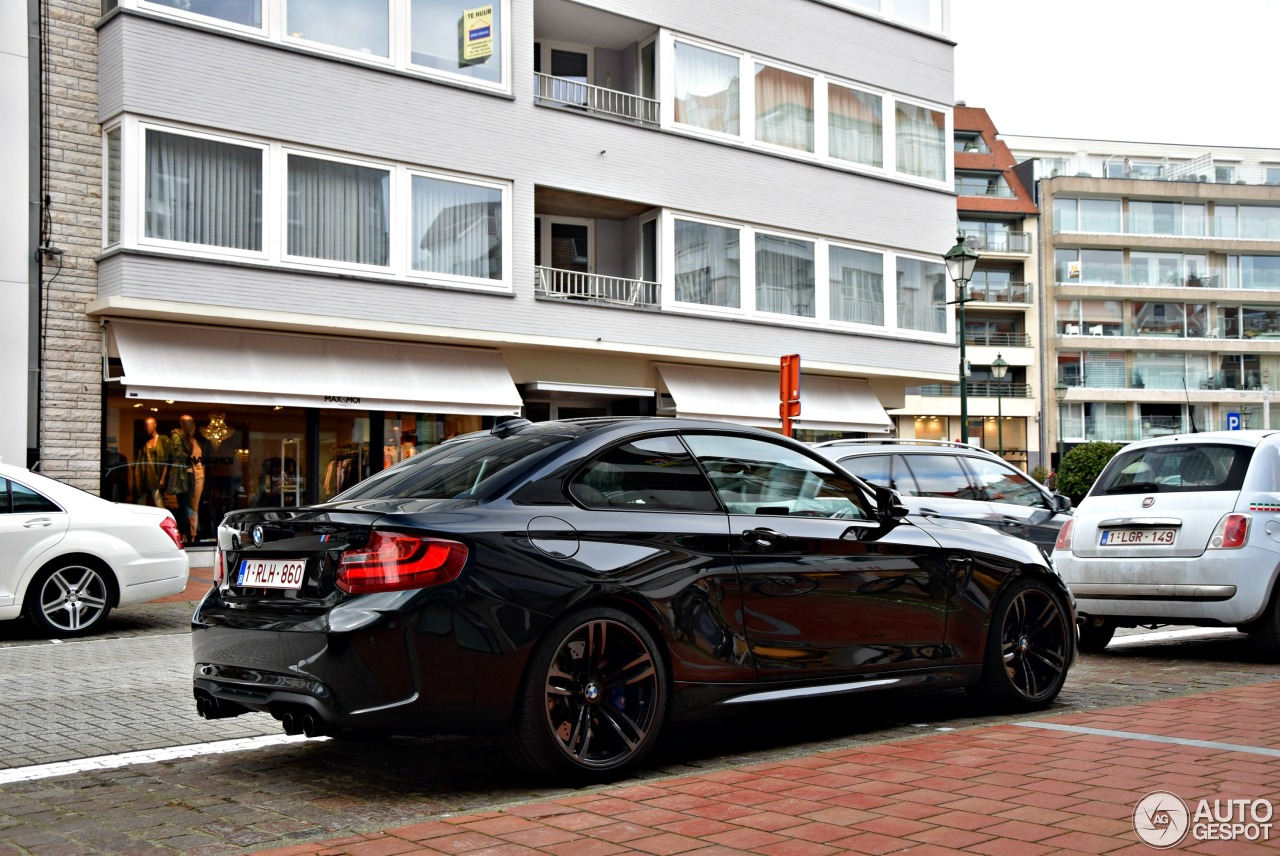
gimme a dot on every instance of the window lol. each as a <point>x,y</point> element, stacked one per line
<point>359,26</point>
<point>203,191</point>
<point>1261,272</point>
<point>706,89</point>
<point>650,474</point>
<point>857,286</point>
<point>1000,483</point>
<point>1171,468</point>
<point>1101,267</point>
<point>784,108</point>
<point>784,275</point>
<point>982,184</point>
<point>436,38</point>
<point>338,211</point>
<point>1100,215</point>
<point>457,228</point>
<point>1257,221</point>
<point>1271,175</point>
<point>1155,268</point>
<point>755,476</point>
<point>1066,214</point>
<point>19,499</point>
<point>873,469</point>
<point>113,187</point>
<point>1225,221</point>
<point>855,126</point>
<point>922,141</point>
<point>971,142</point>
<point>247,13</point>
<point>1095,421</point>
<point>939,476</point>
<point>922,295</point>
<point>1224,174</point>
<point>1155,218</point>
<point>707,262</point>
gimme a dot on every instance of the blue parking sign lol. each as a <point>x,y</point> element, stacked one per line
<point>1233,421</point>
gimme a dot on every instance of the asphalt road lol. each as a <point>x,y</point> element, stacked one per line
<point>128,690</point>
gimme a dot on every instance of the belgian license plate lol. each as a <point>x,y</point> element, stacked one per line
<point>271,573</point>
<point>1125,537</point>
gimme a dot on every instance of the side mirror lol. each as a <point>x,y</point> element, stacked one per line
<point>1061,503</point>
<point>889,505</point>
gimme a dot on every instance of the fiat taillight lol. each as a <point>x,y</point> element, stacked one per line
<point>1231,533</point>
<point>392,561</point>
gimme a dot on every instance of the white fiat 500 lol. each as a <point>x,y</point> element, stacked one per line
<point>1179,530</point>
<point>67,558</point>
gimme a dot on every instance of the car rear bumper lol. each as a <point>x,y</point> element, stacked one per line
<point>1228,587</point>
<point>149,576</point>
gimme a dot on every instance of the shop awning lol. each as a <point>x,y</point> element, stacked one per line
<point>226,366</point>
<point>751,398</point>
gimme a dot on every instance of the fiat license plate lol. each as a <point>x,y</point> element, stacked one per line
<point>1125,537</point>
<point>271,573</point>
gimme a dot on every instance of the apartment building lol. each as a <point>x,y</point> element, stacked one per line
<point>1162,271</point>
<point>335,233</point>
<point>996,217</point>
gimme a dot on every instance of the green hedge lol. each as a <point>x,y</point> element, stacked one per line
<point>1080,468</point>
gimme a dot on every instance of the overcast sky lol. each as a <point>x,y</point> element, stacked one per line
<point>1161,71</point>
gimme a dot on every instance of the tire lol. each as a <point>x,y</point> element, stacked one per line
<point>1265,632</point>
<point>1095,637</point>
<point>1028,648</point>
<point>593,698</point>
<point>69,599</point>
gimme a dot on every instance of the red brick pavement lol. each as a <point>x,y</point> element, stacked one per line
<point>996,790</point>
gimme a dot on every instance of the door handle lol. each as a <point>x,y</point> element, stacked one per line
<point>763,539</point>
<point>37,521</point>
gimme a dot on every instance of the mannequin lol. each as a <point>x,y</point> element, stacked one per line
<point>186,475</point>
<point>152,458</point>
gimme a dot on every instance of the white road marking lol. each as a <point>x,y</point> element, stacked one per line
<point>1170,635</point>
<point>146,756</point>
<point>1155,738</point>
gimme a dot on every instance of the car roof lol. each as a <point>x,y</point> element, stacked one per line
<point>1250,437</point>
<point>850,448</point>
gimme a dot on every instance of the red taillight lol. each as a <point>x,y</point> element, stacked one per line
<point>395,562</point>
<point>171,529</point>
<point>219,567</point>
<point>1064,537</point>
<point>1232,532</point>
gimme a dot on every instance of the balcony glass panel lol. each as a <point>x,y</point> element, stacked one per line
<point>359,26</point>
<point>1260,322</point>
<point>784,275</point>
<point>1261,222</point>
<point>857,286</point>
<point>784,108</point>
<point>1260,272</point>
<point>707,89</point>
<point>1100,215</point>
<point>1226,221</point>
<point>707,260</point>
<point>983,184</point>
<point>1066,214</point>
<point>855,125</point>
<point>434,39</point>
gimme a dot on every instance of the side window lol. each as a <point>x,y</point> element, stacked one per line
<point>4,497</point>
<point>940,476</point>
<point>651,474</point>
<point>27,501</point>
<point>1005,484</point>
<point>869,468</point>
<point>755,476</point>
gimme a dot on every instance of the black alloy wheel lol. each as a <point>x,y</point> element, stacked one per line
<point>1028,647</point>
<point>593,698</point>
<point>69,599</point>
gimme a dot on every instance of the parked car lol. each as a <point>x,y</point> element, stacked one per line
<point>575,585</point>
<point>949,480</point>
<point>67,557</point>
<point>1182,529</point>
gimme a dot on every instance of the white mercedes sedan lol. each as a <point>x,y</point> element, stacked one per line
<point>67,557</point>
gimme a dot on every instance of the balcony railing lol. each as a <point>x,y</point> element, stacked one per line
<point>999,292</point>
<point>999,340</point>
<point>975,389</point>
<point>595,99</point>
<point>1142,276</point>
<point>1199,170</point>
<point>999,242</point>
<point>559,284</point>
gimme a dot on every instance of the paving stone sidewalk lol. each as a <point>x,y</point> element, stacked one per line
<point>1005,789</point>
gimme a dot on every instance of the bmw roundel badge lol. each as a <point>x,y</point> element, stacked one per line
<point>257,536</point>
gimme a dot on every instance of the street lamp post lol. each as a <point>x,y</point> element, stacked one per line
<point>961,260</point>
<point>999,368</point>
<point>1060,393</point>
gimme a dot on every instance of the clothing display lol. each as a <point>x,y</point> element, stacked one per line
<point>153,464</point>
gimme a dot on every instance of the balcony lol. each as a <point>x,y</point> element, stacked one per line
<point>999,292</point>
<point>975,389</point>
<point>595,100</point>
<point>556,284</point>
<point>997,242</point>
<point>998,340</point>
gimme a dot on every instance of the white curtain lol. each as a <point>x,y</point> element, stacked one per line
<point>856,126</point>
<point>706,89</point>
<point>784,108</point>
<point>338,211</point>
<point>707,264</point>
<point>922,296</point>
<point>922,148</point>
<point>203,192</point>
<point>857,286</point>
<point>457,228</point>
<point>784,275</point>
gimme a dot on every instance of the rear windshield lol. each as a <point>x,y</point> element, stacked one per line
<point>1175,468</point>
<point>454,469</point>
